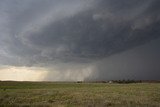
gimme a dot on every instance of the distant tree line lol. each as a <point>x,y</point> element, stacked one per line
<point>126,81</point>
<point>113,81</point>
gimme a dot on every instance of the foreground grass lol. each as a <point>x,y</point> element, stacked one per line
<point>48,94</point>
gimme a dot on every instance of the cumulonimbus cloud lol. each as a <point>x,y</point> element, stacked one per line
<point>43,33</point>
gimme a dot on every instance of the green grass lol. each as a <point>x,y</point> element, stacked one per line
<point>51,94</point>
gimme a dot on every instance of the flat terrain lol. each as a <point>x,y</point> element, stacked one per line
<point>52,94</point>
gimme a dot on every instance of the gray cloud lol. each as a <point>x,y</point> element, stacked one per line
<point>141,63</point>
<point>74,32</point>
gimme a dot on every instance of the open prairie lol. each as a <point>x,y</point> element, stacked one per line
<point>58,94</point>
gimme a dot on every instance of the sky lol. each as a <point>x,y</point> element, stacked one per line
<point>79,40</point>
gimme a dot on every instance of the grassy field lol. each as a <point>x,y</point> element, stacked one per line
<point>50,94</point>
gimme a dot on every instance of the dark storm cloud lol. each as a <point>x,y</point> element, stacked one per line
<point>36,33</point>
<point>99,31</point>
<point>141,63</point>
<point>23,19</point>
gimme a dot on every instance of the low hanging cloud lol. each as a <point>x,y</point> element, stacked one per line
<point>80,39</point>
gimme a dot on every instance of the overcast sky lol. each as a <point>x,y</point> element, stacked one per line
<point>70,40</point>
